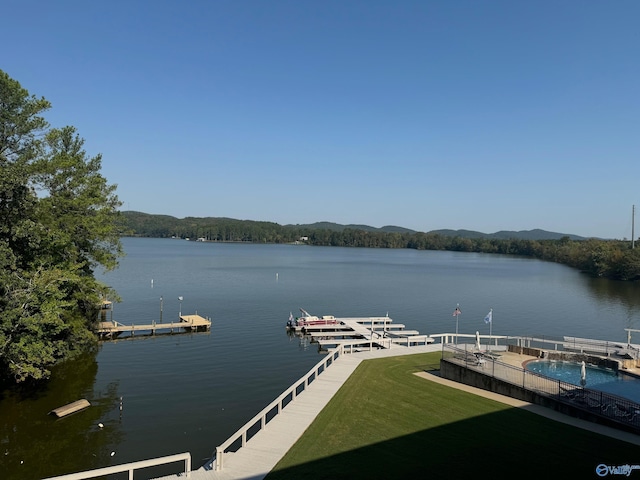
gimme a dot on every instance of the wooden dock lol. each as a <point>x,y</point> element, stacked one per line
<point>187,323</point>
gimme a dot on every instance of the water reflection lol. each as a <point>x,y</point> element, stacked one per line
<point>35,444</point>
<point>617,294</point>
<point>304,341</point>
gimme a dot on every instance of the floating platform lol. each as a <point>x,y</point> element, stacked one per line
<point>333,331</point>
<point>70,408</point>
<point>187,323</point>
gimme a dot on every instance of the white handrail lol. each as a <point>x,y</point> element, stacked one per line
<point>326,362</point>
<point>130,467</point>
<point>522,341</point>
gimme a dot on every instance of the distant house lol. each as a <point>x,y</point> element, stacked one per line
<point>304,239</point>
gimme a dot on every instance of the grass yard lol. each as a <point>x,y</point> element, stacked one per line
<point>385,422</point>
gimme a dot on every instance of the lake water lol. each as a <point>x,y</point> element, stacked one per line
<point>190,392</point>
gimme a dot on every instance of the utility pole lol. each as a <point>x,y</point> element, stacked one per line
<point>633,221</point>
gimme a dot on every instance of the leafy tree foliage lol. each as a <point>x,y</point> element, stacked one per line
<point>58,222</point>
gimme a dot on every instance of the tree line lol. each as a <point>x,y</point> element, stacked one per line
<point>613,259</point>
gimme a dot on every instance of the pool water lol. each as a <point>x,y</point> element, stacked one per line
<point>602,379</point>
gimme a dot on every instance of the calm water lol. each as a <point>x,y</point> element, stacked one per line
<point>191,392</point>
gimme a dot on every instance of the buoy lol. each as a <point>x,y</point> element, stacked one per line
<point>100,425</point>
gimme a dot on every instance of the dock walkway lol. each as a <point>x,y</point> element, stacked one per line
<point>265,449</point>
<point>111,329</point>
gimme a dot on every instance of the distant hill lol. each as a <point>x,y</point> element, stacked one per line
<point>165,225</point>
<point>336,227</point>
<point>536,234</point>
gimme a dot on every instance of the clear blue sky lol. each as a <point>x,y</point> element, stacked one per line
<point>480,115</point>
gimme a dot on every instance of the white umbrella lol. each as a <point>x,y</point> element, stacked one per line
<point>583,373</point>
<point>477,340</point>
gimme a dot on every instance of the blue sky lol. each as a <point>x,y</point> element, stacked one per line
<point>481,115</point>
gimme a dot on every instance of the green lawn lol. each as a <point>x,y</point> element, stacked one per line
<point>385,422</point>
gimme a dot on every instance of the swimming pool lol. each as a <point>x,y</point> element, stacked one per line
<point>602,379</point>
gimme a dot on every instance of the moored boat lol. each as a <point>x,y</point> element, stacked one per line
<point>307,320</point>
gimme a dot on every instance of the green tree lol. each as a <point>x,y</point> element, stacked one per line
<point>58,223</point>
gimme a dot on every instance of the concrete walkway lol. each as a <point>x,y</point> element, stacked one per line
<point>270,444</point>
<point>261,453</point>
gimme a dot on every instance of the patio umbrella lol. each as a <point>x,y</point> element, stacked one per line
<point>477,340</point>
<point>583,374</point>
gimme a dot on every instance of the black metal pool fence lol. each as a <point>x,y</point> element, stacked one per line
<point>621,410</point>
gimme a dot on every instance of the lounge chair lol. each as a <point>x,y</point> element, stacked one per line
<point>622,411</point>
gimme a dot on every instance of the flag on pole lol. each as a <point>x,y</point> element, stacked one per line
<point>456,312</point>
<point>489,316</point>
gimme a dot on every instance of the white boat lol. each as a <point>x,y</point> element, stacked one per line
<point>307,320</point>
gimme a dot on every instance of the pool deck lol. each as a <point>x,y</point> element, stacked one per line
<point>260,455</point>
<point>519,360</point>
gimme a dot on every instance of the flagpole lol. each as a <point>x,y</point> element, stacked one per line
<point>457,315</point>
<point>490,327</point>
<point>489,319</point>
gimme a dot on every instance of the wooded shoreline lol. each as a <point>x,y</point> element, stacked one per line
<point>613,259</point>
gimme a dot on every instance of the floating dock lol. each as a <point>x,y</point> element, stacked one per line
<point>188,323</point>
<point>329,331</point>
